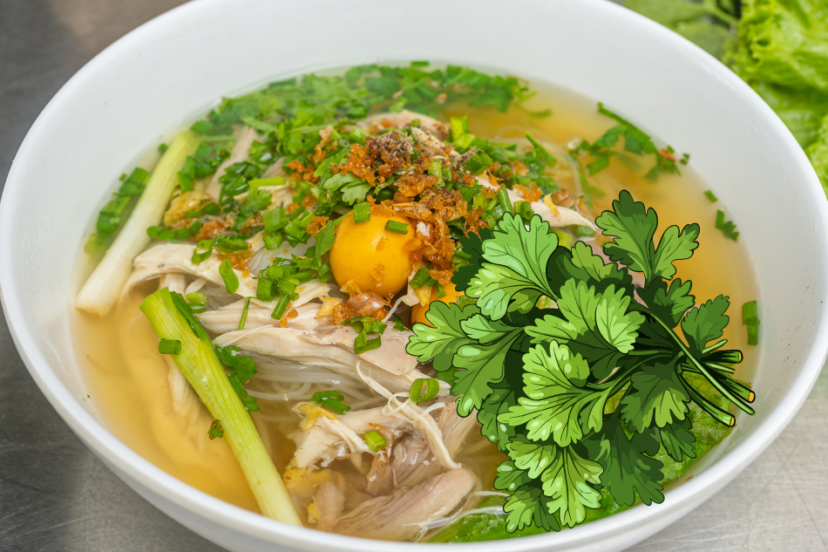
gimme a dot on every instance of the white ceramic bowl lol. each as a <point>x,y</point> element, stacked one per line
<point>178,64</point>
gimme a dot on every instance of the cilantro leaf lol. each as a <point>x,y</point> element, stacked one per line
<point>510,477</point>
<point>496,404</point>
<point>627,469</point>
<point>705,323</point>
<point>471,245</point>
<point>558,404</point>
<point>238,365</point>
<point>566,481</point>
<point>656,397</point>
<point>633,226</point>
<point>596,325</point>
<point>599,273</point>
<point>527,506</point>
<point>515,275</point>
<point>441,341</point>
<point>480,365</point>
<point>565,475</point>
<point>668,304</point>
<point>678,440</point>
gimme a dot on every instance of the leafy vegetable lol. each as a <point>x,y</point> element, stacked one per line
<point>598,385</point>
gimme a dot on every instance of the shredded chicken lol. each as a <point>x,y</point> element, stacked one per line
<point>400,516</point>
<point>332,347</point>
<point>431,145</point>
<point>168,258</point>
<point>226,319</point>
<point>404,118</point>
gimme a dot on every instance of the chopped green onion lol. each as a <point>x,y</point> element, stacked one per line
<point>749,311</point>
<point>281,307</point>
<point>203,251</point>
<point>362,213</point>
<point>215,431</point>
<point>273,241</point>
<point>720,219</point>
<point>398,324</point>
<point>435,168</point>
<point>375,441</point>
<point>264,289</point>
<point>304,275</point>
<point>212,209</point>
<point>275,219</point>
<point>524,210</point>
<point>711,196</point>
<point>169,347</point>
<point>397,227</point>
<point>243,318</point>
<point>424,389</point>
<point>228,245</point>
<point>198,302</point>
<point>259,182</point>
<point>362,344</point>
<point>162,147</point>
<point>441,291</point>
<point>503,199</point>
<point>337,406</point>
<point>297,213</point>
<point>753,332</point>
<point>321,396</point>
<point>231,281</point>
<point>420,279</point>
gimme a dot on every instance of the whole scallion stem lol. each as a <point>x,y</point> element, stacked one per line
<point>101,290</point>
<point>200,365</point>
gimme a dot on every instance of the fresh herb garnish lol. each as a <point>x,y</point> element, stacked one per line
<point>727,227</point>
<point>331,400</point>
<point>365,325</point>
<point>559,417</point>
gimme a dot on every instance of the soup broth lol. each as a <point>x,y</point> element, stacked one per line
<point>128,380</point>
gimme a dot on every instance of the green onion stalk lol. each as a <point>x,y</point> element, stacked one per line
<point>101,290</point>
<point>170,317</point>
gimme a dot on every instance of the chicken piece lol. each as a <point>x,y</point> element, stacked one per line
<point>404,118</point>
<point>327,437</point>
<point>431,145</point>
<point>244,139</point>
<point>176,257</point>
<point>401,515</point>
<point>328,505</point>
<point>184,399</point>
<point>226,319</point>
<point>332,347</point>
<point>410,460</point>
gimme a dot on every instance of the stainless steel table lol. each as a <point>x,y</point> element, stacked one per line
<point>55,495</point>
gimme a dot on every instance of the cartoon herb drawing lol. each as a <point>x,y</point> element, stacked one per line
<point>581,396</point>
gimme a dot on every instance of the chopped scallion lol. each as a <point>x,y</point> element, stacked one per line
<point>169,347</point>
<point>203,251</point>
<point>231,281</point>
<point>749,311</point>
<point>273,241</point>
<point>375,441</point>
<point>281,307</point>
<point>753,332</point>
<point>420,279</point>
<point>720,218</point>
<point>362,213</point>
<point>243,318</point>
<point>398,324</point>
<point>227,244</point>
<point>711,196</point>
<point>321,396</point>
<point>264,289</point>
<point>397,227</point>
<point>275,219</point>
<point>424,389</point>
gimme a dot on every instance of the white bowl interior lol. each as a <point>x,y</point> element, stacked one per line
<point>157,77</point>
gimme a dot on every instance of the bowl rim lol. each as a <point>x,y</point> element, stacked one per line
<point>118,455</point>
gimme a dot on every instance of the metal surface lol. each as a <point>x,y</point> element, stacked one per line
<point>56,495</point>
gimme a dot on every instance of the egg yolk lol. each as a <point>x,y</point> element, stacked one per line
<point>418,311</point>
<point>367,257</point>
